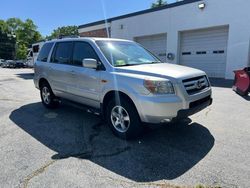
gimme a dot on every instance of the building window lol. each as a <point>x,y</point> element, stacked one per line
<point>201,52</point>
<point>186,53</point>
<point>219,52</point>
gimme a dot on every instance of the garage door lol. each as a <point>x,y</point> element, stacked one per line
<point>205,50</point>
<point>157,44</point>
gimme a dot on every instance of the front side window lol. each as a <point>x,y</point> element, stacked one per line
<point>122,53</point>
<point>62,53</point>
<point>83,50</point>
<point>44,53</point>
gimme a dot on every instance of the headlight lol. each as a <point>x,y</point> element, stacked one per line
<point>159,87</point>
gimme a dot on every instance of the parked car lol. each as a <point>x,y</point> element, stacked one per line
<point>13,64</point>
<point>8,64</point>
<point>19,64</point>
<point>1,62</point>
<point>120,80</point>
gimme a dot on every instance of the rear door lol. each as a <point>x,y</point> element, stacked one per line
<point>60,70</point>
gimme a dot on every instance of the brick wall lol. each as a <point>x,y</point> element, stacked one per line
<point>95,33</point>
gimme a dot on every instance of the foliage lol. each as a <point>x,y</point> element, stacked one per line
<point>158,3</point>
<point>7,44</point>
<point>21,51</point>
<point>3,26</point>
<point>64,31</point>
<point>25,33</point>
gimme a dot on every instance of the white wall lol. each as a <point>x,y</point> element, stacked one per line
<point>94,27</point>
<point>235,14</point>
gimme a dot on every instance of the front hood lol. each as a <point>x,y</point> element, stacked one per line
<point>165,70</point>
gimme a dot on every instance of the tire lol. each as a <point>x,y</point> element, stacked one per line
<point>48,98</point>
<point>125,116</point>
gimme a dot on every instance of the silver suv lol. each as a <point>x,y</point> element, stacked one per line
<point>121,80</point>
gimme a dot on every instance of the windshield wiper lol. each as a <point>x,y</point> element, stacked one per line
<point>152,62</point>
<point>126,65</point>
<point>145,63</point>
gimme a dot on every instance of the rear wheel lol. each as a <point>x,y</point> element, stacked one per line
<point>123,119</point>
<point>49,100</point>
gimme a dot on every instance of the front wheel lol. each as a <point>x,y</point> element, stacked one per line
<point>123,119</point>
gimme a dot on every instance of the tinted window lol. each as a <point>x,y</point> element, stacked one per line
<point>44,53</point>
<point>83,50</point>
<point>62,53</point>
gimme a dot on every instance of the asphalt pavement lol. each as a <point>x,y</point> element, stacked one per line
<point>68,147</point>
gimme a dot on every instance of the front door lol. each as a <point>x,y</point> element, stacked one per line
<point>87,81</point>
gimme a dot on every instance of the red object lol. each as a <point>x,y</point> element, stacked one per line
<point>242,81</point>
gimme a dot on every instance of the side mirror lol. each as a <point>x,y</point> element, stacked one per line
<point>90,63</point>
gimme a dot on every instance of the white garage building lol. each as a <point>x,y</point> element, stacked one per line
<point>212,35</point>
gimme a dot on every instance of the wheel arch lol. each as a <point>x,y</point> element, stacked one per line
<point>41,81</point>
<point>115,94</point>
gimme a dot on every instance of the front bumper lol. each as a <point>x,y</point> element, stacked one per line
<point>36,81</point>
<point>164,109</point>
<point>195,107</point>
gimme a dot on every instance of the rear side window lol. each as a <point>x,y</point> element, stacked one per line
<point>44,53</point>
<point>83,50</point>
<point>62,53</point>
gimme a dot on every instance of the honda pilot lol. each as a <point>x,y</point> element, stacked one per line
<point>121,80</point>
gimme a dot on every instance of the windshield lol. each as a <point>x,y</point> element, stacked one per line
<point>122,53</point>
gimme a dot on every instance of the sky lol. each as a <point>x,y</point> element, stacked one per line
<point>50,14</point>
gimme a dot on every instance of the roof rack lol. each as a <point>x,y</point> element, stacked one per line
<point>68,36</point>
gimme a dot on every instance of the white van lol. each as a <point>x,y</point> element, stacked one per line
<point>33,52</point>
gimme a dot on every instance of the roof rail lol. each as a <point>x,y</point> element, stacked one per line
<point>68,36</point>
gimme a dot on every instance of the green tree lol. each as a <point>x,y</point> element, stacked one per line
<point>27,33</point>
<point>158,3</point>
<point>3,26</point>
<point>7,44</point>
<point>21,51</point>
<point>24,32</point>
<point>13,24</point>
<point>64,31</point>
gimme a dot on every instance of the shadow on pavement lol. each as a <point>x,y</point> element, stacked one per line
<point>26,76</point>
<point>247,98</point>
<point>163,153</point>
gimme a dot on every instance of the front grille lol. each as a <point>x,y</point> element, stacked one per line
<point>196,84</point>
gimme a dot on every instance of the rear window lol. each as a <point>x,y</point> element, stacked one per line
<point>44,53</point>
